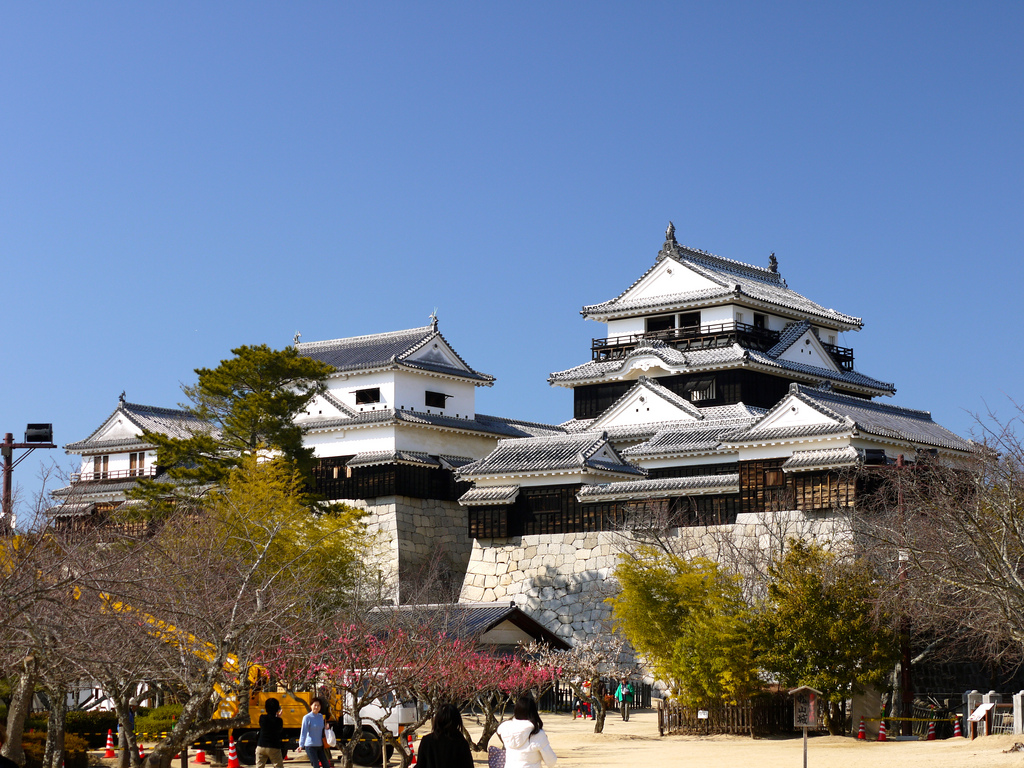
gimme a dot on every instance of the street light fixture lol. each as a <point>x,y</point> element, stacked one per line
<point>36,436</point>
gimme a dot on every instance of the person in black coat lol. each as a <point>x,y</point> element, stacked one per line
<point>268,742</point>
<point>445,746</point>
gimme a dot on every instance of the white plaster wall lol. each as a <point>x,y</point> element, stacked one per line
<point>688,461</point>
<point>451,443</point>
<point>351,441</point>
<point>344,387</point>
<point>410,389</point>
<point>716,315</point>
<point>787,450</point>
<point>626,326</point>
<point>118,462</point>
<point>667,278</point>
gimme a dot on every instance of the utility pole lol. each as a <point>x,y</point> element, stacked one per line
<point>36,436</point>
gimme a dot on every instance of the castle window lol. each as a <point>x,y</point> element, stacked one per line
<point>136,463</point>
<point>760,321</point>
<point>660,323</point>
<point>701,389</point>
<point>774,478</point>
<point>435,399</point>
<point>100,467</point>
<point>689,320</point>
<point>366,396</point>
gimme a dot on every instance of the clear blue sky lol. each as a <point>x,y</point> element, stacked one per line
<point>179,179</point>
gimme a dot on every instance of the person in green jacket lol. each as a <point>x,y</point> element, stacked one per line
<point>624,695</point>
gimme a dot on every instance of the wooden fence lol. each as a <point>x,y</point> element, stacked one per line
<point>756,717</point>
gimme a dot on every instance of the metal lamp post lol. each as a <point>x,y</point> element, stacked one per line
<point>36,436</point>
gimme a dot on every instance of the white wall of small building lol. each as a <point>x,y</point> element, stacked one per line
<point>626,326</point>
<point>410,394</point>
<point>347,442</point>
<point>345,387</point>
<point>117,462</point>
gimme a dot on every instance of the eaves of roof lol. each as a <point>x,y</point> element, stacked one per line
<point>699,361</point>
<point>667,486</point>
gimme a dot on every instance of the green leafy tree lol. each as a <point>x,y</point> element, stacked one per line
<point>689,619</point>
<point>245,405</point>
<point>819,627</point>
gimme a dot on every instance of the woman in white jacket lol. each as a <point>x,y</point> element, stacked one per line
<point>526,744</point>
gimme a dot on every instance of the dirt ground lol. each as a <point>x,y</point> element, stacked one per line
<point>636,743</point>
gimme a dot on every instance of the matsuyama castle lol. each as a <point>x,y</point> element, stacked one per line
<point>714,398</point>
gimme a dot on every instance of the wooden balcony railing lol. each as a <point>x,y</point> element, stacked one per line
<point>115,474</point>
<point>707,337</point>
<point>694,337</point>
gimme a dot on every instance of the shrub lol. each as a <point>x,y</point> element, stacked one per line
<point>76,750</point>
<point>158,720</point>
<point>92,726</point>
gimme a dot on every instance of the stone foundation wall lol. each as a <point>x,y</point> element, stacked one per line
<point>414,531</point>
<point>562,580</point>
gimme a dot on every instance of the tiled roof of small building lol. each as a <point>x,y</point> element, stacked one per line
<point>172,422</point>
<point>381,350</point>
<point>709,359</point>
<point>473,620</point>
<point>865,417</point>
<point>826,458</point>
<point>488,495</point>
<point>559,453</point>
<point>662,486</point>
<point>734,277</point>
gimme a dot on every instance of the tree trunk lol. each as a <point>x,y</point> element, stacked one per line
<point>21,702</point>
<point>597,703</point>
<point>53,754</point>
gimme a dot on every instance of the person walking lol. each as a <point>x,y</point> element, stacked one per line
<point>526,744</point>
<point>311,735</point>
<point>624,695</point>
<point>445,746</point>
<point>268,740</point>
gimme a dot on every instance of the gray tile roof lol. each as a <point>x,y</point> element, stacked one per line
<point>488,495</point>
<point>790,335</point>
<point>491,425</point>
<point>172,422</point>
<point>689,438</point>
<point>560,453</point>
<point>709,360</point>
<point>826,458</point>
<point>386,350</point>
<point>734,278</point>
<point>472,620</point>
<point>665,486</point>
<point>415,458</point>
<point>862,417</point>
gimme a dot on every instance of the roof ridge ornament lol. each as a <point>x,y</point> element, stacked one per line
<point>433,320</point>
<point>671,246</point>
<point>773,263</point>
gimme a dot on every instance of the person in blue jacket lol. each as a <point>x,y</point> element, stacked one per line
<point>311,736</point>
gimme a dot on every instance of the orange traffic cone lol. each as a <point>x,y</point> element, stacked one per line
<point>860,731</point>
<point>881,730</point>
<point>142,753</point>
<point>931,731</point>
<point>232,755</point>
<point>412,751</point>
<point>200,756</point>
<point>957,733</point>
<point>110,745</point>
